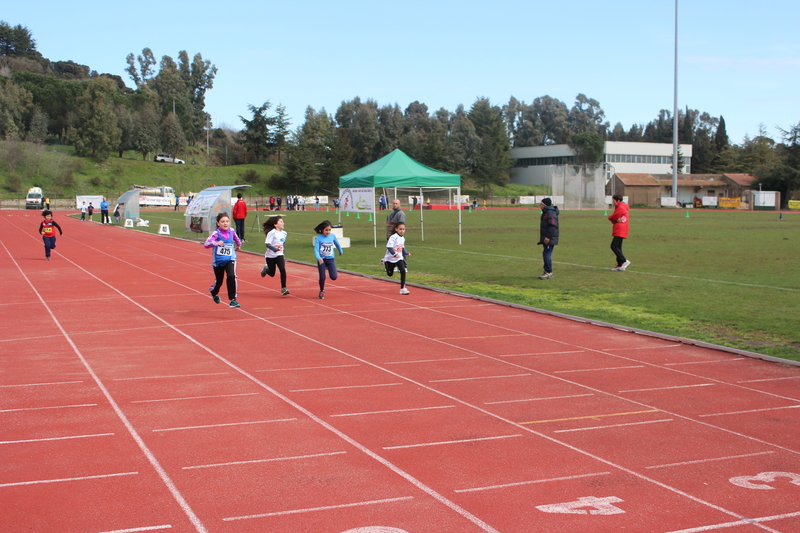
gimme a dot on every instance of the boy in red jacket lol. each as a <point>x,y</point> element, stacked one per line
<point>619,220</point>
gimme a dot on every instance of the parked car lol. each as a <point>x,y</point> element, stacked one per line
<point>167,158</point>
<point>34,199</point>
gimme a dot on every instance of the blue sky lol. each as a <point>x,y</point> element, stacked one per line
<point>737,59</point>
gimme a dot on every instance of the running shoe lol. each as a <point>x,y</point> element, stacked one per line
<point>546,275</point>
<point>615,269</point>
<point>321,295</point>
<point>625,265</point>
<point>284,291</point>
<point>234,303</point>
<point>265,270</point>
<point>215,297</point>
<point>404,291</point>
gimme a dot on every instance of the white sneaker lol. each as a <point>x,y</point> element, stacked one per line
<point>546,275</point>
<point>625,265</point>
<point>615,269</point>
<point>404,291</point>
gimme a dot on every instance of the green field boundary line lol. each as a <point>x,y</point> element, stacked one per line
<point>627,271</point>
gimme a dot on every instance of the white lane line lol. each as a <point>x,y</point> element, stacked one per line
<point>56,438</point>
<point>743,522</point>
<point>518,483</point>
<point>768,379</point>
<point>669,388</point>
<point>227,425</point>
<point>626,349</point>
<point>750,411</point>
<point>324,508</point>
<point>596,369</point>
<point>541,353</point>
<point>442,443</point>
<point>711,361</point>
<point>135,529</point>
<point>349,387</point>
<point>478,377</point>
<point>613,425</point>
<point>40,481</point>
<point>51,407</point>
<point>394,411</point>
<point>196,397</point>
<point>172,377</point>
<point>430,360</point>
<point>304,368</point>
<point>273,459</point>
<point>39,384</point>
<point>538,399</point>
<point>709,460</point>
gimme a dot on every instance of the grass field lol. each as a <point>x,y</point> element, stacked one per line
<point>729,278</point>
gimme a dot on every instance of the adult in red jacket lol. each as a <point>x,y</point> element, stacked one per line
<point>619,221</point>
<point>239,215</point>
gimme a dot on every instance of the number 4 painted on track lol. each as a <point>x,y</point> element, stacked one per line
<point>765,477</point>
<point>602,506</point>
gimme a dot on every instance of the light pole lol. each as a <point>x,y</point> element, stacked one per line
<point>675,117</point>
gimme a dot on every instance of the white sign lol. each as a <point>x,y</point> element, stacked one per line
<point>163,229</point>
<point>669,201</point>
<point>357,200</point>
<point>709,201</point>
<point>528,200</point>
<point>128,222</point>
<point>202,203</point>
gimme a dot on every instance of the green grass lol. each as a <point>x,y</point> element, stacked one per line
<point>729,278</point>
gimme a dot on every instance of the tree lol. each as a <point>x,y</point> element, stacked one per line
<point>96,133</point>
<point>339,160</point>
<point>282,122</point>
<point>173,140</point>
<point>258,137</point>
<point>493,161</point>
<point>589,148</point>
<point>146,131</point>
<point>145,72</point>
<point>587,116</point>
<point>37,132</point>
<point>15,106</point>
<point>554,118</point>
<point>17,41</point>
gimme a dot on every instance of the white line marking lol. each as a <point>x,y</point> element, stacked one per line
<point>537,399</point>
<point>171,377</point>
<point>40,384</point>
<point>540,353</point>
<point>744,521</point>
<point>613,425</point>
<point>324,508</point>
<point>449,442</point>
<point>135,529</point>
<point>710,460</point>
<point>750,411</point>
<point>228,424</point>
<point>264,460</point>
<point>518,483</point>
<point>53,407</point>
<point>596,369</point>
<point>349,387</point>
<point>56,438</point>
<point>394,411</point>
<point>478,377</point>
<point>196,397</point>
<point>429,360</point>
<point>304,368</point>
<point>40,481</point>
<point>768,379</point>
<point>729,360</point>
<point>669,388</point>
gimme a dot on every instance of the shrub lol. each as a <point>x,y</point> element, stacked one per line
<point>251,176</point>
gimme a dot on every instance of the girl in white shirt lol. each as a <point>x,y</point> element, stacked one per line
<point>276,239</point>
<point>396,254</point>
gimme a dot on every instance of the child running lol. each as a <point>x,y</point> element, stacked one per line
<point>47,229</point>
<point>225,242</point>
<point>323,251</point>
<point>276,238</point>
<point>396,254</point>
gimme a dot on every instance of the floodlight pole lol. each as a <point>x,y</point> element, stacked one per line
<point>675,117</point>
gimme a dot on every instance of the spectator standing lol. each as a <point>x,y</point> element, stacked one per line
<point>239,216</point>
<point>619,231</point>
<point>104,219</point>
<point>548,235</point>
<point>397,216</point>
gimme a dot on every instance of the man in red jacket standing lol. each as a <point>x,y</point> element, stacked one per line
<point>619,220</point>
<point>239,215</point>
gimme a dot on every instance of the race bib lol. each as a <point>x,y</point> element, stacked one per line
<point>48,231</point>
<point>226,250</point>
<point>326,249</point>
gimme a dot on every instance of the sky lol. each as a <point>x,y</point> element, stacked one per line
<point>736,59</point>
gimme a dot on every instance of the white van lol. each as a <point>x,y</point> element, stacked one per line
<point>34,199</point>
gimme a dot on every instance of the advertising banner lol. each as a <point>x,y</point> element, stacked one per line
<point>361,200</point>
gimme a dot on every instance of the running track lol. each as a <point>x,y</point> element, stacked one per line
<point>130,402</point>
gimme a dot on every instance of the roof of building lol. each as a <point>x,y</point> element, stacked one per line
<point>745,180</point>
<point>633,179</point>
<point>692,180</point>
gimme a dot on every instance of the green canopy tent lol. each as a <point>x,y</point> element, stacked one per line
<point>397,170</point>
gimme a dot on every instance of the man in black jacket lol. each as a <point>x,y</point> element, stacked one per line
<point>548,235</point>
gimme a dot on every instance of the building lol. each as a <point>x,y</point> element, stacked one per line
<point>693,189</point>
<point>532,162</point>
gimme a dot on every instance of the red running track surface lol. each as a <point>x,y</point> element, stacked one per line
<point>129,401</point>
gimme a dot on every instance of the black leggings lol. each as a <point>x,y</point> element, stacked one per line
<point>399,265</point>
<point>229,270</point>
<point>273,262</point>
<point>330,265</point>
<point>616,247</point>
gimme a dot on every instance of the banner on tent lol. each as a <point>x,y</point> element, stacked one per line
<point>361,200</point>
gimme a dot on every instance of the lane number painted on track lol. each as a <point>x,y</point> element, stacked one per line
<point>762,480</point>
<point>598,506</point>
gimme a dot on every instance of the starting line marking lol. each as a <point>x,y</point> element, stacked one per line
<point>429,360</point>
<point>593,417</point>
<point>143,528</point>
<point>227,425</point>
<point>537,399</point>
<point>196,397</point>
<point>349,387</point>
<point>232,463</point>
<point>668,388</point>
<point>170,377</point>
<point>395,411</point>
<point>750,411</point>
<point>324,508</point>
<point>518,483</point>
<point>53,407</point>
<point>40,384</point>
<point>709,460</point>
<point>737,523</point>
<point>597,369</point>
<point>449,442</point>
<point>56,438</point>
<point>613,425</point>
<point>478,377</point>
<point>39,481</point>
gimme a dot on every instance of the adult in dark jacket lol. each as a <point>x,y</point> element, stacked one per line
<point>548,235</point>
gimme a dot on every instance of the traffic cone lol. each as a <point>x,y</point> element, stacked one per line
<point>370,218</point>
<point>358,216</point>
<point>687,214</point>
<point>326,208</point>
<point>781,216</point>
<point>347,213</point>
<point>337,211</point>
<point>605,212</point>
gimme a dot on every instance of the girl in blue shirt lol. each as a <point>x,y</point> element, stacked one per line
<point>324,243</point>
<point>225,242</point>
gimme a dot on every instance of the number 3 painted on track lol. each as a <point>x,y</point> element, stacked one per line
<point>766,477</point>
